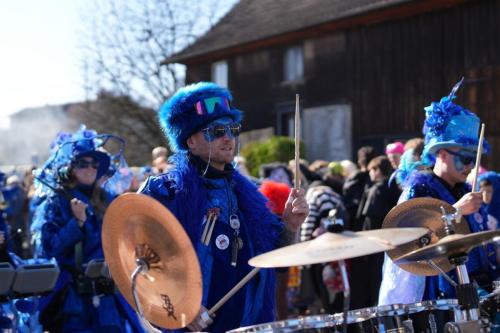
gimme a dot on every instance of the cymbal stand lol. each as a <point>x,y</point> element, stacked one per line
<point>336,225</point>
<point>467,318</point>
<point>145,256</point>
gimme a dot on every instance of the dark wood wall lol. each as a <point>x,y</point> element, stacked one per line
<point>388,72</point>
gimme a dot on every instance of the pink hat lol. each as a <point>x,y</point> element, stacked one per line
<point>395,148</point>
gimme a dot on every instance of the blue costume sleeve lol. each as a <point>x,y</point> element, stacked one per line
<point>60,232</point>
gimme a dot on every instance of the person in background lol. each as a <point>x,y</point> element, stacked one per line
<point>376,202</point>
<point>394,151</point>
<point>354,187</point>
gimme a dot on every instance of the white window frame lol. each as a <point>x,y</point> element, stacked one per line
<point>220,73</point>
<point>293,64</point>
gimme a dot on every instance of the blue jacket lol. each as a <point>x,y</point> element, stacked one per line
<point>188,196</point>
<point>60,234</point>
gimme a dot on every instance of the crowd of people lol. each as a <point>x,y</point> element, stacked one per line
<point>56,213</point>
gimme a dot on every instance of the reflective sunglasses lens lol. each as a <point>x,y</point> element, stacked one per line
<point>235,129</point>
<point>467,160</point>
<point>219,131</point>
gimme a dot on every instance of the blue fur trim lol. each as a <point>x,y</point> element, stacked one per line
<point>183,191</point>
<point>178,118</point>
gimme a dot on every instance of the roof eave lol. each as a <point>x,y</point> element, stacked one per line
<point>401,10</point>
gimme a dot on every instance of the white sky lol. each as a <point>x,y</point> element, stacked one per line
<point>38,54</point>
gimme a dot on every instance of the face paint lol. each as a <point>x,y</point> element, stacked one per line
<point>461,160</point>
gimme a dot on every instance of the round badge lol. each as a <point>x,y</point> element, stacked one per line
<point>478,217</point>
<point>222,242</point>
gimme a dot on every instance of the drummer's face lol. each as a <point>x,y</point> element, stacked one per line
<point>456,170</point>
<point>220,150</point>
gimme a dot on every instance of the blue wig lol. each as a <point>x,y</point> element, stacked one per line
<point>179,119</point>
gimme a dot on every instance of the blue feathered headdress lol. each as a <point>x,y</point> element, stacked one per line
<point>448,125</point>
<point>67,148</point>
<point>179,118</point>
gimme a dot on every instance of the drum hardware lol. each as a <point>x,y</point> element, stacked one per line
<point>454,248</point>
<point>424,213</point>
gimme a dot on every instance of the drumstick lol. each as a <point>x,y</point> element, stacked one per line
<point>478,159</point>
<point>233,291</point>
<point>297,143</point>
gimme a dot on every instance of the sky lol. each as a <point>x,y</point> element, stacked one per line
<point>39,61</point>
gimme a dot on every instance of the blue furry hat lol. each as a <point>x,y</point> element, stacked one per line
<point>449,125</point>
<point>179,117</point>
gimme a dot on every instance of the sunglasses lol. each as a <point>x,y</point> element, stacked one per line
<point>464,159</point>
<point>208,105</point>
<point>213,132</point>
<point>83,164</point>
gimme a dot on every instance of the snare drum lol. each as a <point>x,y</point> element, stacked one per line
<point>432,315</point>
<point>293,325</point>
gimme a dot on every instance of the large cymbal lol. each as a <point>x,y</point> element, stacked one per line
<point>425,213</point>
<point>451,246</point>
<point>136,225</point>
<point>337,246</point>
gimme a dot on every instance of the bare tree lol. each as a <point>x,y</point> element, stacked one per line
<point>125,41</point>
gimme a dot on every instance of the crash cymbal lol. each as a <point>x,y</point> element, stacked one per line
<point>137,226</point>
<point>337,246</point>
<point>450,246</point>
<point>424,213</point>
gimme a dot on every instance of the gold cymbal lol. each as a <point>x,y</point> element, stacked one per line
<point>424,213</point>
<point>450,246</point>
<point>337,246</point>
<point>137,226</point>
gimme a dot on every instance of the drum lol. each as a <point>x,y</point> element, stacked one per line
<point>362,320</point>
<point>431,316</point>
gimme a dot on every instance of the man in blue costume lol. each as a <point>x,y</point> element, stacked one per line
<point>204,190</point>
<point>451,142</point>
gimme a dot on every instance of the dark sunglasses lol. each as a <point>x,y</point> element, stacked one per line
<point>213,132</point>
<point>208,105</point>
<point>464,159</point>
<point>83,164</point>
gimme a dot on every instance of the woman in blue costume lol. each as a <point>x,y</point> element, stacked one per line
<point>71,220</point>
<point>202,126</point>
<point>451,140</point>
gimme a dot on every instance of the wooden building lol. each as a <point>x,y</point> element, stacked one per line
<point>364,69</point>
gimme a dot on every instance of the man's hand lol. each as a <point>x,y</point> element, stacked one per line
<point>469,203</point>
<point>78,208</point>
<point>296,209</point>
<point>201,321</point>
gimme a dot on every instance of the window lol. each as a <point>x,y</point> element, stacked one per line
<point>219,73</point>
<point>294,64</point>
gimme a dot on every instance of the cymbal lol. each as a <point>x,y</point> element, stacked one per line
<point>425,213</point>
<point>137,226</point>
<point>337,246</point>
<point>450,246</point>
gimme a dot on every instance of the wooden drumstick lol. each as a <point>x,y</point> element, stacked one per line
<point>233,291</point>
<point>478,158</point>
<point>297,143</point>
